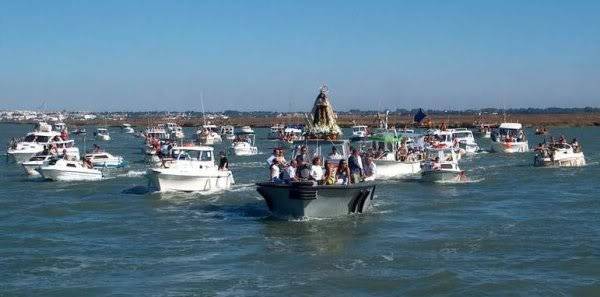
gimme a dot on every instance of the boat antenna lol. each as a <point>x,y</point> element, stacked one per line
<point>202,104</point>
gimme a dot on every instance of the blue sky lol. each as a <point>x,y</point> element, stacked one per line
<point>274,55</point>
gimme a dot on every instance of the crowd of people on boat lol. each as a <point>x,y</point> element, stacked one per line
<point>334,170</point>
<point>549,146</point>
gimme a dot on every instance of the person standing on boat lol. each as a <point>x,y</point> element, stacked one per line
<point>272,157</point>
<point>356,166</point>
<point>343,173</point>
<point>334,154</point>
<point>316,171</point>
<point>223,162</point>
<point>370,169</point>
<point>275,172</point>
<point>289,172</point>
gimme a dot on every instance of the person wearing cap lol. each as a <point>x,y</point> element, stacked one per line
<point>223,162</point>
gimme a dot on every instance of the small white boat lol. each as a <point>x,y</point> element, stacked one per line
<point>228,132</point>
<point>559,155</point>
<point>68,170</point>
<point>192,169</point>
<point>244,145</point>
<point>392,158</point>
<point>207,135</point>
<point>442,168</point>
<point>276,131</point>
<point>246,130</point>
<point>158,132</point>
<point>104,160</point>
<point>484,131</point>
<point>102,134</point>
<point>465,139</point>
<point>359,132</point>
<point>509,138</point>
<point>127,129</point>
<point>175,131</point>
<point>291,134</point>
<point>32,165</point>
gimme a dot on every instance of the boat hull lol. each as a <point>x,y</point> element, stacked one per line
<point>65,175</point>
<point>302,199</point>
<point>31,168</point>
<point>510,147</point>
<point>573,160</point>
<point>20,156</point>
<point>103,137</point>
<point>394,169</point>
<point>164,180</point>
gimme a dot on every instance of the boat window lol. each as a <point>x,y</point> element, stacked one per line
<point>205,156</point>
<point>184,156</point>
<point>462,135</point>
<point>101,157</point>
<point>29,138</point>
<point>42,139</point>
<point>70,165</point>
<point>446,166</point>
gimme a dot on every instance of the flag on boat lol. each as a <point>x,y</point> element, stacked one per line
<point>419,116</point>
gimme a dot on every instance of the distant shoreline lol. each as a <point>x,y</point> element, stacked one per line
<point>452,120</point>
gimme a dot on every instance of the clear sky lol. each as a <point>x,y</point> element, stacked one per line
<point>274,55</point>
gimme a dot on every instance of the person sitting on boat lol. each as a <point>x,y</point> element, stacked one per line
<point>64,134</point>
<point>280,157</point>
<point>521,136</point>
<point>334,155</point>
<point>275,171</point>
<point>289,172</point>
<point>575,145</point>
<point>223,162</point>
<point>370,169</point>
<point>343,173</point>
<point>436,165</point>
<point>87,163</point>
<point>561,140</point>
<point>303,153</point>
<point>316,171</point>
<point>401,153</point>
<point>272,157</point>
<point>356,166</point>
<point>330,174</point>
<point>64,154</point>
<point>303,169</point>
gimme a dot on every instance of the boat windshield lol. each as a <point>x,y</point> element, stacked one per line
<point>462,134</point>
<point>29,138</point>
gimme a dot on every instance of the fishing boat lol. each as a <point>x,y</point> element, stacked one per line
<point>276,131</point>
<point>359,132</point>
<point>228,132</point>
<point>207,135</point>
<point>465,139</point>
<point>244,144</point>
<point>69,170</point>
<point>32,165</point>
<point>21,150</point>
<point>127,129</point>
<point>104,160</point>
<point>306,199</point>
<point>321,123</point>
<point>441,167</point>
<point>393,156</point>
<point>559,155</point>
<point>509,138</point>
<point>102,134</point>
<point>192,168</point>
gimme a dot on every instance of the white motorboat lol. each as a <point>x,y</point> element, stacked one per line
<point>104,160</point>
<point>392,157</point>
<point>443,140</point>
<point>127,129</point>
<point>276,131</point>
<point>246,130</point>
<point>192,169</point>
<point>291,134</point>
<point>484,131</point>
<point>559,155</point>
<point>228,132</point>
<point>32,165</point>
<point>175,131</point>
<point>359,132</point>
<point>465,139</point>
<point>158,132</point>
<point>509,138</point>
<point>102,134</point>
<point>207,135</point>
<point>69,170</point>
<point>442,168</point>
<point>244,145</point>
<point>21,150</point>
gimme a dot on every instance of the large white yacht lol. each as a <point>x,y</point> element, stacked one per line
<point>509,138</point>
<point>35,142</point>
<point>192,168</point>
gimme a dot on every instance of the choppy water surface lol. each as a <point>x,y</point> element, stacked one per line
<point>515,230</point>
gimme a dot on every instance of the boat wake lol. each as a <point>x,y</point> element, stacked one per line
<point>461,181</point>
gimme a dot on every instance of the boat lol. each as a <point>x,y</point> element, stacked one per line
<point>159,132</point>
<point>305,199</point>
<point>321,123</point>
<point>291,134</point>
<point>393,157</point>
<point>69,170</point>
<point>442,140</point>
<point>80,131</point>
<point>59,127</point>
<point>32,165</point>
<point>509,138</point>
<point>244,144</point>
<point>228,132</point>
<point>127,129</point>
<point>21,150</point>
<point>442,168</point>
<point>359,132</point>
<point>104,160</point>
<point>246,130</point>
<point>559,155</point>
<point>207,135</point>
<point>175,131</point>
<point>484,131</point>
<point>102,134</point>
<point>541,131</point>
<point>276,131</point>
<point>465,139</point>
<point>192,168</point>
